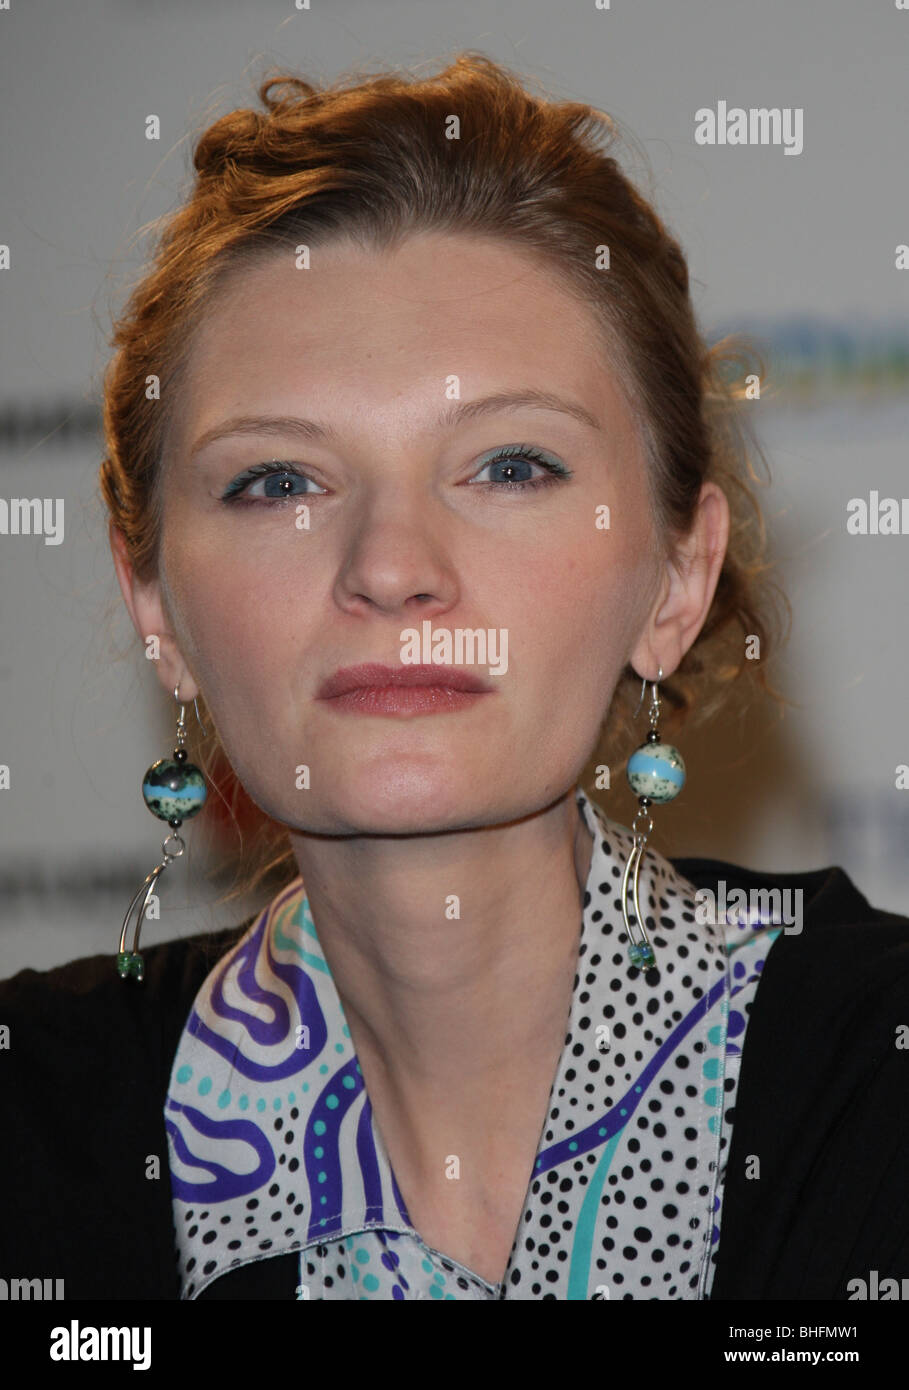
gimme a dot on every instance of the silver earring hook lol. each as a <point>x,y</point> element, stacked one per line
<point>181,722</point>
<point>653,693</point>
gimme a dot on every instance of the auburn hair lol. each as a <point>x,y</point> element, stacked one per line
<point>373,158</point>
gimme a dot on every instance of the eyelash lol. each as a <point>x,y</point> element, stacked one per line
<point>556,472</point>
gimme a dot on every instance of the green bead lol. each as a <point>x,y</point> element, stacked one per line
<point>130,963</point>
<point>641,956</point>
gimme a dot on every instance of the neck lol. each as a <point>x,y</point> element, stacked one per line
<point>439,999</point>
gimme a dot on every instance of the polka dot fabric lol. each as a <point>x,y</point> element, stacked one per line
<point>273,1148</point>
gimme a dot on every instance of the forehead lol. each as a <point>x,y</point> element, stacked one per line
<point>366,328</point>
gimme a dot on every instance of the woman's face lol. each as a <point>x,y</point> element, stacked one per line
<point>395,357</point>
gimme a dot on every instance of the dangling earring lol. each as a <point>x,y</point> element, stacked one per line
<point>656,773</point>
<point>173,790</point>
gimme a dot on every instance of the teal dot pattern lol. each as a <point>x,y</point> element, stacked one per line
<point>273,1147</point>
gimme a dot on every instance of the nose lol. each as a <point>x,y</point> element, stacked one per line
<point>397,560</point>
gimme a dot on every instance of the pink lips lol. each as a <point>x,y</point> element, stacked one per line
<point>372,688</point>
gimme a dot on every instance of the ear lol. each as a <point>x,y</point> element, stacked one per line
<point>687,589</point>
<point>146,609</point>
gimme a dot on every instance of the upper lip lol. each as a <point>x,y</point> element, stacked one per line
<point>374,674</point>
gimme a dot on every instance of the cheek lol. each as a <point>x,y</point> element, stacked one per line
<point>237,624</point>
<point>241,633</point>
<point>582,616</point>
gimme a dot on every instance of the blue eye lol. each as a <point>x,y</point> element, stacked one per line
<point>283,473</point>
<point>513,458</point>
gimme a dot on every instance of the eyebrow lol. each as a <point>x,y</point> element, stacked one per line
<point>313,431</point>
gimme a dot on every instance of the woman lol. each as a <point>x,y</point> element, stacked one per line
<point>417,468</point>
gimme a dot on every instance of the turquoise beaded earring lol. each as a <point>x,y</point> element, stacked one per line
<point>656,773</point>
<point>174,790</point>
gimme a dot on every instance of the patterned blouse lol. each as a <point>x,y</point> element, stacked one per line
<point>273,1147</point>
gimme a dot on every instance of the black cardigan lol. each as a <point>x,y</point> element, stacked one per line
<point>823,1102</point>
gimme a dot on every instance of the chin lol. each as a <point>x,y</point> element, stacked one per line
<point>405,800</point>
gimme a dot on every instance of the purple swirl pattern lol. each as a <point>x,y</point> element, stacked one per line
<point>223,1182</point>
<point>274,1148</point>
<point>267,1035</point>
<point>266,1039</point>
